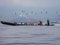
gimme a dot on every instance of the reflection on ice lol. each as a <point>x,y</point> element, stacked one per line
<point>29,44</point>
<point>29,35</point>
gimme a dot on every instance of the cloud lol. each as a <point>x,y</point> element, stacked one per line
<point>30,3</point>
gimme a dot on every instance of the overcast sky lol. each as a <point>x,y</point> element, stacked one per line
<point>50,5</point>
<point>30,3</point>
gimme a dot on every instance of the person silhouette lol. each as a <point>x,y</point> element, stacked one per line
<point>48,23</point>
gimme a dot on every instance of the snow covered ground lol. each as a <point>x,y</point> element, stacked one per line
<point>29,35</point>
<point>57,24</point>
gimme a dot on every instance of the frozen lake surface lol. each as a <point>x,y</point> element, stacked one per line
<point>29,35</point>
